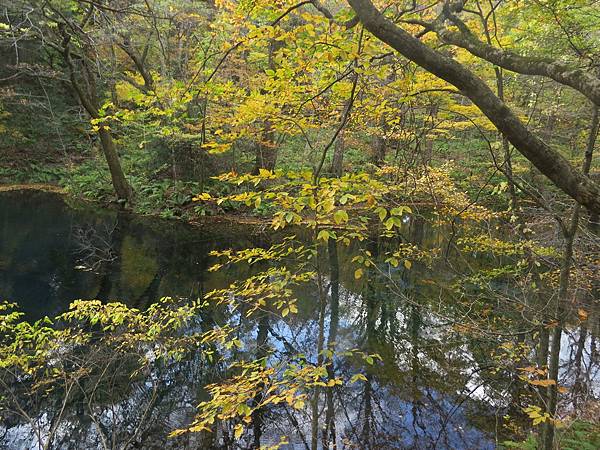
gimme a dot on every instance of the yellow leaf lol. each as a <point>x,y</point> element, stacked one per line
<point>544,383</point>
<point>358,273</point>
<point>264,173</point>
<point>202,196</point>
<point>238,430</point>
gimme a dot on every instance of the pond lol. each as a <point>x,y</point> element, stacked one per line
<point>52,253</point>
<point>432,389</point>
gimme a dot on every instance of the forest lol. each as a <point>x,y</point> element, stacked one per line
<point>299,224</point>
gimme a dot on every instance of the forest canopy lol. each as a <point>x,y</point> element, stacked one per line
<point>335,124</point>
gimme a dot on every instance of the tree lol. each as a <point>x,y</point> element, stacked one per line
<point>546,159</point>
<point>84,77</point>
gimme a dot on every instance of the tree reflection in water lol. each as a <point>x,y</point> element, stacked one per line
<point>437,385</point>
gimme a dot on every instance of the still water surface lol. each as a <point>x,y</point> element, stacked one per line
<point>429,392</point>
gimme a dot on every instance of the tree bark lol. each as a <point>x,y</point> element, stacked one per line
<point>329,431</point>
<point>261,352</point>
<point>119,182</point>
<point>314,422</point>
<point>379,151</point>
<point>266,151</point>
<point>337,163</point>
<point>547,160</point>
<point>594,218</point>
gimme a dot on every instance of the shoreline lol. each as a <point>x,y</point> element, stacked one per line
<point>228,219</point>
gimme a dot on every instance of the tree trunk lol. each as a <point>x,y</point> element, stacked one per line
<point>565,273</point>
<point>379,151</point>
<point>89,100</point>
<point>329,431</point>
<point>122,188</point>
<point>594,218</point>
<point>261,352</point>
<point>544,342</point>
<point>337,163</point>
<point>314,423</point>
<point>266,151</point>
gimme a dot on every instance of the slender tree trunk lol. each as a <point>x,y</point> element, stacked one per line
<point>579,385</point>
<point>542,355</point>
<point>506,146</point>
<point>122,188</point>
<point>382,143</point>
<point>372,306</point>
<point>594,217</point>
<point>379,151</point>
<point>266,150</point>
<point>314,438</point>
<point>552,395</point>
<point>261,352</point>
<point>565,273</point>
<point>337,163</point>
<point>429,126</point>
<point>329,432</point>
<point>380,148</point>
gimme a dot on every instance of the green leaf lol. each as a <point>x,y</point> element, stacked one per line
<point>358,376</point>
<point>323,235</point>
<point>340,216</point>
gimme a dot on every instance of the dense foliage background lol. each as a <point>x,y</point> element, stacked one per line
<point>335,124</point>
